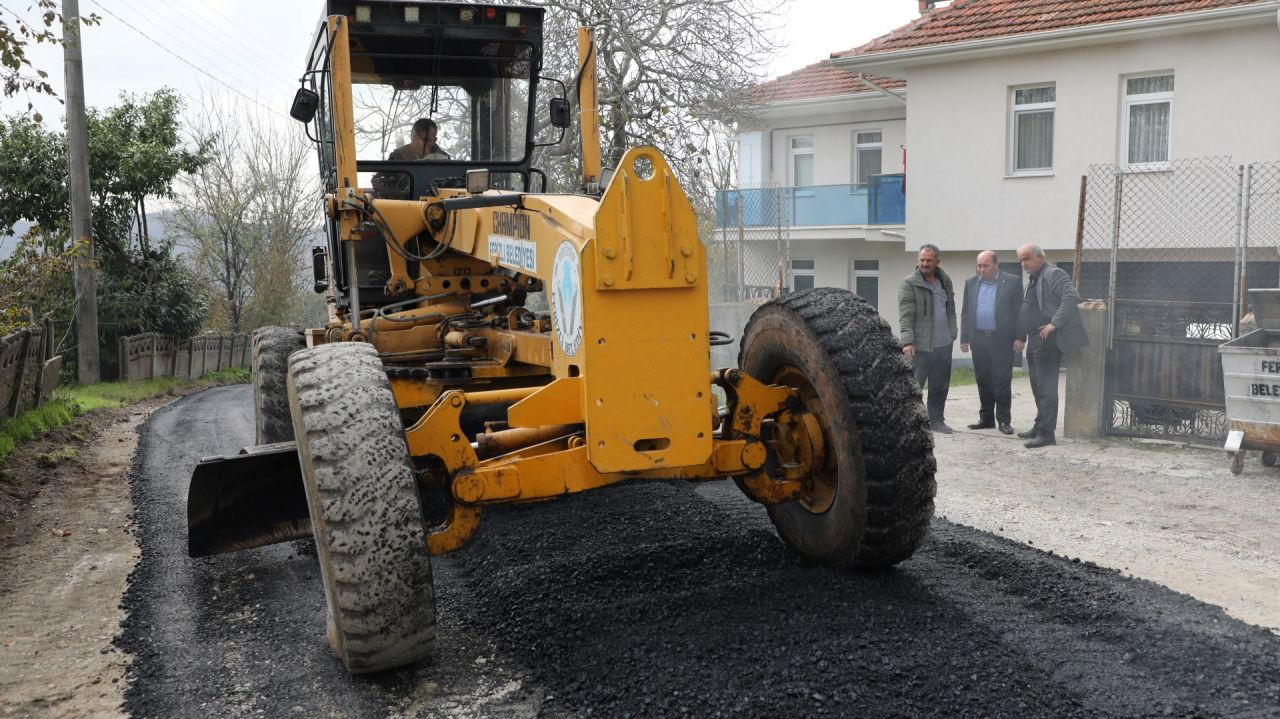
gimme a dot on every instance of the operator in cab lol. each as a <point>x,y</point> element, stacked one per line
<point>422,144</point>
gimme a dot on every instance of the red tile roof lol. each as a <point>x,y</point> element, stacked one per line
<point>978,19</point>
<point>820,79</point>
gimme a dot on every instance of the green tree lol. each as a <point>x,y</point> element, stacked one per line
<point>17,74</point>
<point>136,153</point>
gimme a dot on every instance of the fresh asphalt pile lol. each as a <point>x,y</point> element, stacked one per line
<point>669,600</point>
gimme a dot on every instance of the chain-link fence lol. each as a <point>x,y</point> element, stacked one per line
<point>1173,250</point>
<point>747,256</point>
<point>1261,225</point>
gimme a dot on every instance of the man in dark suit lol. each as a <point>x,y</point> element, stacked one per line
<point>989,324</point>
<point>1050,318</point>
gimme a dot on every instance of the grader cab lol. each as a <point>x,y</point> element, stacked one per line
<point>489,343</point>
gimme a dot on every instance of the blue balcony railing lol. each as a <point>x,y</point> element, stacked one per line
<point>882,201</point>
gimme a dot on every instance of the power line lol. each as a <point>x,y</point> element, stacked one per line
<point>193,47</point>
<point>239,28</point>
<point>197,68</point>
<point>250,61</point>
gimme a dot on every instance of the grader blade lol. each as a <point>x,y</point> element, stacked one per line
<point>247,500</point>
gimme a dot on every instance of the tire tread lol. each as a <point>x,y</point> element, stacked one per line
<point>365,507</point>
<point>892,424</point>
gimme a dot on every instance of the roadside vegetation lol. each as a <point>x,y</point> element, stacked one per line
<point>71,402</point>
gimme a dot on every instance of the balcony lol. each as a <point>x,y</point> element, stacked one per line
<point>879,202</point>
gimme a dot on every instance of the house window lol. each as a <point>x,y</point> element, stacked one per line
<point>865,280</point>
<point>801,274</point>
<point>802,161</point>
<point>1031,129</point>
<point>866,155</point>
<point>1148,117</point>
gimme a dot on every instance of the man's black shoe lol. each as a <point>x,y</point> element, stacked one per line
<point>1028,434</point>
<point>1006,428</point>
<point>940,427</point>
<point>981,425</point>
<point>1041,440</point>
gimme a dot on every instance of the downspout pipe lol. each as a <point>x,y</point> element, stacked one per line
<point>862,78</point>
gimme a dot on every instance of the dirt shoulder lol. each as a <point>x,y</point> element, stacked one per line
<point>1172,514</point>
<point>66,550</point>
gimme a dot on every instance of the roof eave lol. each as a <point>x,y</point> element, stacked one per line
<point>829,103</point>
<point>896,60</point>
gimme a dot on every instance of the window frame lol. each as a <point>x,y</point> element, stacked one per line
<point>857,152</point>
<point>793,152</point>
<point>1015,110</point>
<point>793,272</point>
<point>1147,98</point>
<point>855,273</point>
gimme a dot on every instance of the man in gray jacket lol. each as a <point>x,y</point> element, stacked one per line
<point>1050,318</point>
<point>927,325</point>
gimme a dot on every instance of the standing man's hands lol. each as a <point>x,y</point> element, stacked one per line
<point>964,346</point>
<point>1018,345</point>
<point>1047,330</point>
<point>909,351</point>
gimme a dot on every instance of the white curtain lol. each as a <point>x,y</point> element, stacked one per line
<point>1149,132</point>
<point>803,175</point>
<point>1034,150</point>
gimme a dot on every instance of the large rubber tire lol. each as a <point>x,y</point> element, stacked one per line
<point>366,513</point>
<point>875,423</point>
<point>271,349</point>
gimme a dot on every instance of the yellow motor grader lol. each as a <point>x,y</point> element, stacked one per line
<point>490,342</point>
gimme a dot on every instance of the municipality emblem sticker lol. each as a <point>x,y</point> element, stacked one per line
<point>566,298</point>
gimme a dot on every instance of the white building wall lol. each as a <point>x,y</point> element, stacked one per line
<point>833,144</point>
<point>959,195</point>
<point>833,265</point>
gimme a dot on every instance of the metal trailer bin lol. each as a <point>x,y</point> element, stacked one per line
<point>1251,379</point>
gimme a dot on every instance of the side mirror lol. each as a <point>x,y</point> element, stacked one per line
<point>560,115</point>
<point>305,104</point>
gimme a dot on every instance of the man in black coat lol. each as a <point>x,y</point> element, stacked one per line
<point>1050,318</point>
<point>989,324</point>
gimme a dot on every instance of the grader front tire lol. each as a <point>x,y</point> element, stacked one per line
<point>366,513</point>
<point>271,349</point>
<point>835,350</point>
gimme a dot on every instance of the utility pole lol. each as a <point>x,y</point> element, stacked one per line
<point>81,210</point>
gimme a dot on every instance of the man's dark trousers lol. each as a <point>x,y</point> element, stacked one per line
<point>993,368</point>
<point>934,367</point>
<point>1044,361</point>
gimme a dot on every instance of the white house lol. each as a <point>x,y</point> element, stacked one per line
<point>824,164</point>
<point>1004,106</point>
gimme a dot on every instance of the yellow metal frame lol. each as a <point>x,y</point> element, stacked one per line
<point>616,386</point>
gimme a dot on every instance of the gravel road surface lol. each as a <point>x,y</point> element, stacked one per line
<point>668,600</point>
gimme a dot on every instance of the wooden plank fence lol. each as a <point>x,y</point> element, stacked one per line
<point>28,369</point>
<point>150,355</point>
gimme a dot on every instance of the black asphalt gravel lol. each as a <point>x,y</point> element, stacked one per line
<point>669,600</point>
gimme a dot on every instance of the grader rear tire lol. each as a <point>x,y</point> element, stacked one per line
<point>271,349</point>
<point>366,513</point>
<point>874,509</point>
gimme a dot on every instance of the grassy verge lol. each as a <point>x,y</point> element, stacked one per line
<point>71,402</point>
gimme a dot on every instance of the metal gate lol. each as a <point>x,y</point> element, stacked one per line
<point>1173,251</point>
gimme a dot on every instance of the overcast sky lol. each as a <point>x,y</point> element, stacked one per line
<point>253,50</point>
